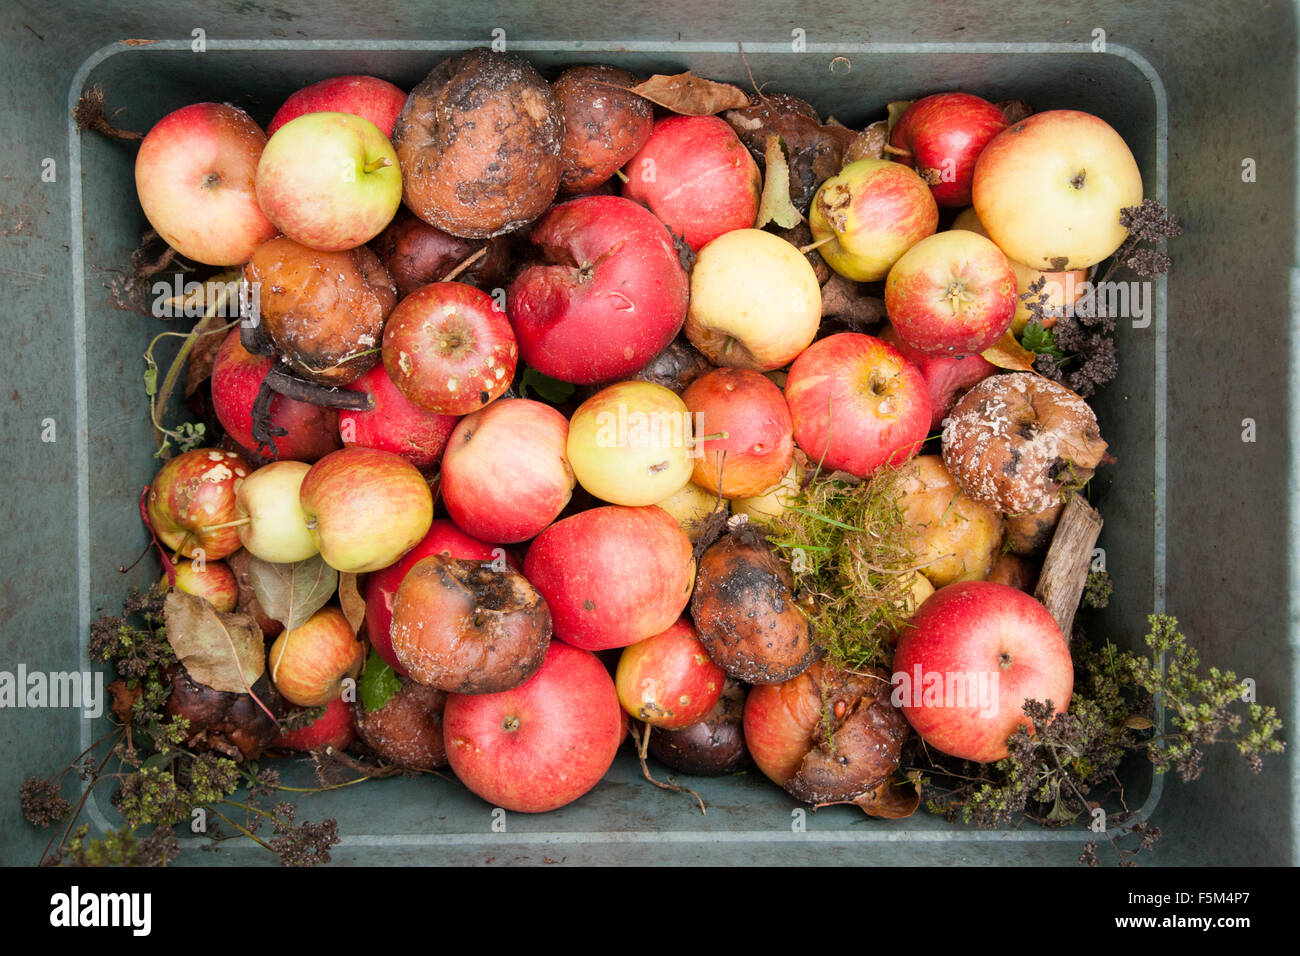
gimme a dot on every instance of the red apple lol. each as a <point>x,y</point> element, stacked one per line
<point>953,292</point>
<point>696,175</point>
<point>366,96</point>
<point>941,136</point>
<point>751,412</point>
<point>381,586</point>
<point>449,349</point>
<point>612,295</point>
<point>194,174</point>
<point>308,664</point>
<point>394,423</point>
<point>505,475</point>
<point>946,376</point>
<point>612,575</point>
<point>191,503</point>
<point>856,404</point>
<point>365,508</point>
<point>213,581</point>
<point>971,657</point>
<point>668,680</point>
<point>236,379</point>
<point>334,728</point>
<point>540,745</point>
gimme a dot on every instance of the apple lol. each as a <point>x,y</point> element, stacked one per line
<point>540,745</point>
<point>381,586</point>
<point>941,136</point>
<point>277,529</point>
<point>869,215</point>
<point>754,448</point>
<point>1061,288</point>
<point>213,581</point>
<point>755,301</point>
<point>308,664</point>
<point>696,175</point>
<point>237,376</point>
<point>953,292</point>
<point>191,503</point>
<point>194,175</point>
<point>946,376</point>
<point>449,349</point>
<point>771,504</point>
<point>366,96</point>
<point>690,505</point>
<point>334,728</point>
<point>329,181</point>
<point>1049,190</point>
<point>953,537</point>
<point>631,443</point>
<point>974,653</point>
<point>506,475</point>
<point>856,404</point>
<point>365,508</point>
<point>668,680</point>
<point>394,423</point>
<point>612,575</point>
<point>779,721</point>
<point>610,295</point>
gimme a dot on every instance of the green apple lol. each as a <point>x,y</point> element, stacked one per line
<point>277,530</point>
<point>329,181</point>
<point>631,444</point>
<point>690,505</point>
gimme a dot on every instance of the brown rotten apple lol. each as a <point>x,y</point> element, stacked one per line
<point>407,729</point>
<point>711,746</point>
<point>191,503</point>
<point>744,611</point>
<point>462,627</point>
<point>604,124</point>
<point>827,735</point>
<point>479,145</point>
<point>325,311</point>
<point>1019,441</point>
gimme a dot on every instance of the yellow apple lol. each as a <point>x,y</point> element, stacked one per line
<point>955,538</point>
<point>690,505</point>
<point>277,530</point>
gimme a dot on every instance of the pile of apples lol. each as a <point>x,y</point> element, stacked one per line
<point>565,534</point>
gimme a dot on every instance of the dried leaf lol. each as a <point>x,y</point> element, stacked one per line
<point>890,800</point>
<point>350,599</point>
<point>1015,110</point>
<point>224,651</point>
<point>691,95</point>
<point>895,110</point>
<point>775,206</point>
<point>1008,353</point>
<point>291,593</point>
<point>869,144</point>
<point>204,353</point>
<point>1139,723</point>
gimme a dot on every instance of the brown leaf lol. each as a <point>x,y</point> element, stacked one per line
<point>1139,723</point>
<point>691,95</point>
<point>869,144</point>
<point>137,41</point>
<point>895,110</point>
<point>775,206</point>
<point>1008,353</point>
<point>890,800</point>
<point>350,599</point>
<point>291,593</point>
<point>1015,110</point>
<point>223,651</point>
<point>124,699</point>
<point>204,354</point>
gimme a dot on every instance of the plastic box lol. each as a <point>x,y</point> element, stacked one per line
<point>1198,522</point>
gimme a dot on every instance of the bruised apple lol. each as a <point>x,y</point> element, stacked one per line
<point>191,503</point>
<point>953,537</point>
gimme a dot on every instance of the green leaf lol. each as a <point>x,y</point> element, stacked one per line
<point>151,380</point>
<point>775,205</point>
<point>378,683</point>
<point>544,387</point>
<point>1035,338</point>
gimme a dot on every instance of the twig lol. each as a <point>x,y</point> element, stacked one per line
<point>642,743</point>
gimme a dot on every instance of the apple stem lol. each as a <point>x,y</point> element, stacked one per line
<point>815,245</point>
<point>465,265</point>
<point>621,175</point>
<point>642,744</point>
<point>716,436</point>
<point>237,523</point>
<point>376,165</point>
